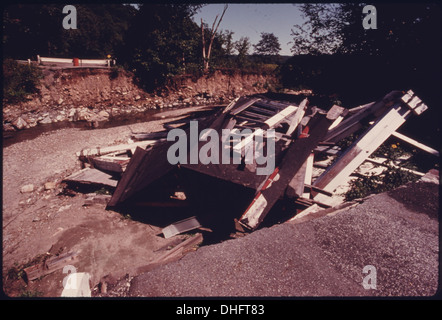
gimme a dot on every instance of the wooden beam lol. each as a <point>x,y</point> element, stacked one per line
<point>105,150</point>
<point>243,106</point>
<point>173,254</point>
<point>231,105</point>
<point>297,117</point>
<point>414,102</point>
<point>308,173</point>
<point>353,123</point>
<point>416,143</point>
<point>180,227</point>
<point>361,149</point>
<point>280,116</point>
<point>92,176</point>
<point>394,166</point>
<point>295,187</point>
<point>276,184</point>
<point>50,265</point>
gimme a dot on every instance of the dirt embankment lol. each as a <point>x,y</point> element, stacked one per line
<point>44,221</point>
<point>95,95</point>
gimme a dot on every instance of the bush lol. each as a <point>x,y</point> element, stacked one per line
<point>19,80</point>
<point>387,180</point>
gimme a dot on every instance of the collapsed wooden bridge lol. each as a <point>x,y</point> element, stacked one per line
<point>300,131</point>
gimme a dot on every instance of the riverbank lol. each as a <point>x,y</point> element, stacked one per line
<point>96,96</point>
<point>45,220</point>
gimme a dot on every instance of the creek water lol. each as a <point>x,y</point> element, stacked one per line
<point>10,138</point>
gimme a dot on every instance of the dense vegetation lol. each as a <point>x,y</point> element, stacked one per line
<point>154,41</point>
<point>333,54</point>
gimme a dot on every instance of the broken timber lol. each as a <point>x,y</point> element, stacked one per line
<point>123,147</point>
<point>92,176</point>
<point>362,148</point>
<point>296,155</point>
<point>301,133</point>
<point>50,265</point>
<point>180,227</point>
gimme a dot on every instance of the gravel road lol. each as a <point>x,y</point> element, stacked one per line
<point>395,232</point>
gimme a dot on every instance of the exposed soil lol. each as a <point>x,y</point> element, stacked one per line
<point>50,222</point>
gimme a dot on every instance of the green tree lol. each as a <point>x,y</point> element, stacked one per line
<point>242,46</point>
<point>36,29</point>
<point>161,42</point>
<point>321,31</point>
<point>268,45</point>
<point>227,42</point>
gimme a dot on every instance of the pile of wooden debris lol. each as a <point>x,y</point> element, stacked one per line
<point>234,193</point>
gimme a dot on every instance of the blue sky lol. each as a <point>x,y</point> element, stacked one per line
<point>250,19</point>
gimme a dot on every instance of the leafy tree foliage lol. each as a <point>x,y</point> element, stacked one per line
<point>242,46</point>
<point>19,80</point>
<point>36,29</point>
<point>268,45</point>
<point>334,54</point>
<point>160,42</point>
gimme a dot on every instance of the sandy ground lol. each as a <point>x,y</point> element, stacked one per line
<point>49,221</point>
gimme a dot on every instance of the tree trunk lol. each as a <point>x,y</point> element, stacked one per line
<point>206,57</point>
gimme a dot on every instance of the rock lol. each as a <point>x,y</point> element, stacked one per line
<point>60,101</point>
<point>46,120</point>
<point>27,188</point>
<point>50,185</point>
<point>137,98</point>
<point>63,208</point>
<point>19,123</point>
<point>8,127</point>
<point>72,112</point>
<point>83,114</point>
<point>103,114</point>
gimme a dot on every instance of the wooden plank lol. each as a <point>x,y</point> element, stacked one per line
<point>394,166</point>
<point>255,115</point>
<point>361,107</point>
<point>414,102</point>
<point>50,265</point>
<point>247,140</point>
<point>276,183</point>
<point>308,173</point>
<point>295,187</point>
<point>230,105</point>
<point>269,105</point>
<point>316,189</point>
<point>243,106</point>
<point>174,254</point>
<point>280,116</point>
<point>107,164</point>
<point>361,149</point>
<point>254,120</point>
<point>105,150</point>
<point>415,143</point>
<point>92,176</point>
<point>180,227</point>
<point>353,123</point>
<point>94,198</point>
<point>335,112</point>
<point>262,111</point>
<point>299,114</point>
